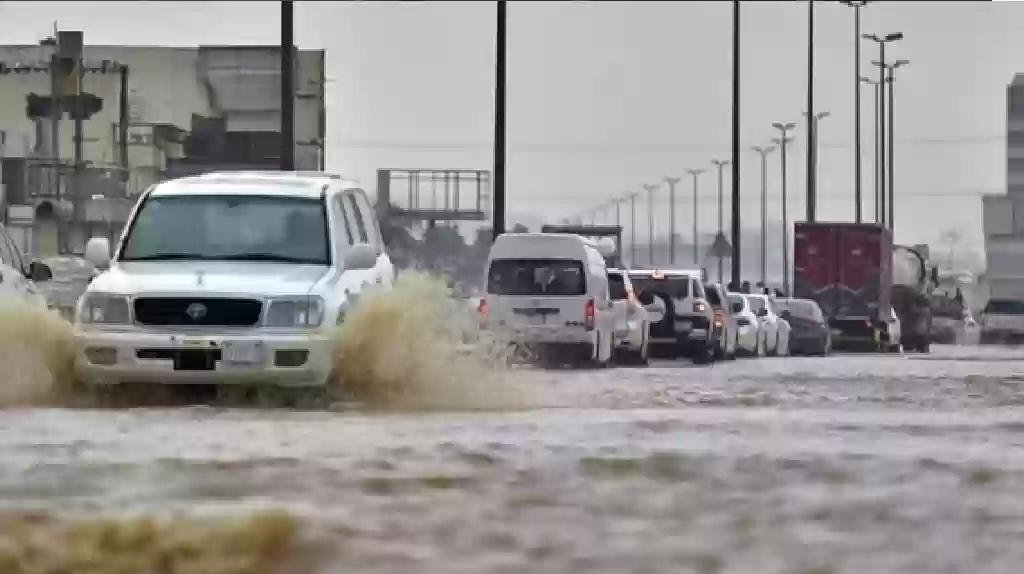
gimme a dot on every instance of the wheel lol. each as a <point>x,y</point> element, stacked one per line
<point>760,350</point>
<point>706,354</point>
<point>774,351</point>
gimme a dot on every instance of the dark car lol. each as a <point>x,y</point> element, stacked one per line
<point>810,333</point>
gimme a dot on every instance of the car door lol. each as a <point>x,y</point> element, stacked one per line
<point>620,304</point>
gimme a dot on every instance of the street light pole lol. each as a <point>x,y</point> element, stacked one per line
<point>632,226</point>
<point>882,41</point>
<point>892,138</point>
<point>672,181</point>
<point>781,141</point>
<point>498,182</point>
<point>650,188</point>
<point>856,5</point>
<point>618,214</point>
<point>696,238</point>
<point>877,162</point>
<point>812,122</point>
<point>763,152</point>
<point>812,203</point>
<point>721,210</point>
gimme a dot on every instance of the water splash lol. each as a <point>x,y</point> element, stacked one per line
<point>36,354</point>
<point>409,348</point>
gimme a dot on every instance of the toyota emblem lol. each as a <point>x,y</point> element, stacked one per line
<point>196,311</point>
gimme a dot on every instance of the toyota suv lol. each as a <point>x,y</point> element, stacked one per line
<point>682,320</point>
<point>229,278</point>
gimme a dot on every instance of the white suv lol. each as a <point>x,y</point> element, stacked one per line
<point>229,278</point>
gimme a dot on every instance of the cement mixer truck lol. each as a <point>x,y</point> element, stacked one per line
<point>873,293</point>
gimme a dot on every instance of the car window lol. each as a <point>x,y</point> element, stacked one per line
<point>536,277</point>
<point>6,255</point>
<point>756,304</point>
<point>17,261</point>
<point>1005,307</point>
<point>736,300</point>
<point>357,218</point>
<point>229,227</point>
<point>676,287</point>
<point>369,219</point>
<point>713,296</point>
<point>345,236</point>
<point>617,287</point>
<point>801,309</point>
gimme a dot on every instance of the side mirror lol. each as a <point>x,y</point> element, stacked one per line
<point>97,252</point>
<point>361,256</point>
<point>38,271</point>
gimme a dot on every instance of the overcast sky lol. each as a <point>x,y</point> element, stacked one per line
<point>605,96</point>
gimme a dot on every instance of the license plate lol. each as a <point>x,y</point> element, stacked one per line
<point>193,343</point>
<point>242,352</point>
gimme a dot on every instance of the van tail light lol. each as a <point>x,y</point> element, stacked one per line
<point>699,307</point>
<point>481,309</point>
<point>590,315</point>
<point>719,319</point>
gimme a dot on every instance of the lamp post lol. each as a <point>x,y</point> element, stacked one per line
<point>878,136</point>
<point>696,215</point>
<point>882,41</point>
<point>812,145</point>
<point>763,152</point>
<point>650,188</point>
<point>721,163</point>
<point>672,181</point>
<point>891,80</point>
<point>632,226</point>
<point>782,141</point>
<point>856,5</point>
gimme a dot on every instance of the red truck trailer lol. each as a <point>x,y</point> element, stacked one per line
<point>847,269</point>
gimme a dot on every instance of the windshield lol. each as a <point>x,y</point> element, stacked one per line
<point>229,228</point>
<point>536,277</point>
<point>1005,307</point>
<point>675,287</point>
<point>800,309</point>
<point>756,304</point>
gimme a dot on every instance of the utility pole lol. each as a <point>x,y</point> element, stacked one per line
<point>882,41</point>
<point>696,214</point>
<point>650,189</point>
<point>618,214</point>
<point>123,119</point>
<point>736,225</point>
<point>77,194</point>
<point>812,199</point>
<point>877,162</point>
<point>721,210</point>
<point>672,181</point>
<point>812,146</point>
<point>856,5</point>
<point>498,205</point>
<point>287,86</point>
<point>763,152</point>
<point>632,226</point>
<point>782,141</point>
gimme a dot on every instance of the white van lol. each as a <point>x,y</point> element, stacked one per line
<point>551,292</point>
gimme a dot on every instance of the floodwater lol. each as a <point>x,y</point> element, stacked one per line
<point>851,463</point>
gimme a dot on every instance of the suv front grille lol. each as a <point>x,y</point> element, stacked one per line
<point>198,311</point>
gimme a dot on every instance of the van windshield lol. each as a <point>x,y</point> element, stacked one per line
<point>229,228</point>
<point>561,277</point>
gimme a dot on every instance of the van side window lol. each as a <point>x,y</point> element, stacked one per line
<point>16,260</point>
<point>357,218</point>
<point>617,287</point>
<point>697,289</point>
<point>6,255</point>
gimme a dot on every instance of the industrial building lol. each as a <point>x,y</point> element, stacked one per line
<point>186,110</point>
<point>1004,214</point>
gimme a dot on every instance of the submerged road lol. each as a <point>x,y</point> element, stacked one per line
<point>881,464</point>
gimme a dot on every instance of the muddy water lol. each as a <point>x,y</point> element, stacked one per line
<point>845,464</point>
<point>880,464</point>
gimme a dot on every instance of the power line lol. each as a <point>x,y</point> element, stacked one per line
<point>707,147</point>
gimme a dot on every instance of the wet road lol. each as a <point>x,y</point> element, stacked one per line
<point>881,464</point>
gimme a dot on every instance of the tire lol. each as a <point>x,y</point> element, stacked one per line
<point>706,354</point>
<point>759,350</point>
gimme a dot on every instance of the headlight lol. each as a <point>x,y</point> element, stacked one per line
<point>295,312</point>
<point>105,309</point>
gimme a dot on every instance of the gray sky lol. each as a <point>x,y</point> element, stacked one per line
<point>605,96</point>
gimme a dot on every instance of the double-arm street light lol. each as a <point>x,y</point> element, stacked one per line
<point>812,145</point>
<point>763,151</point>
<point>879,217</point>
<point>782,141</point>
<point>721,163</point>
<point>672,181</point>
<point>650,189</point>
<point>856,5</point>
<point>890,79</point>
<point>882,41</point>
<point>695,173</point>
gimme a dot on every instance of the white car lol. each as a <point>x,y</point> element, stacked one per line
<point>632,325</point>
<point>230,278</point>
<point>18,275</point>
<point>774,329</point>
<point>749,341</point>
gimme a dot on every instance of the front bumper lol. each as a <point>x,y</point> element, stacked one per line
<point>136,355</point>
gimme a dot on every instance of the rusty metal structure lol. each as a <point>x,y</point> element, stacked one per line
<point>433,195</point>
